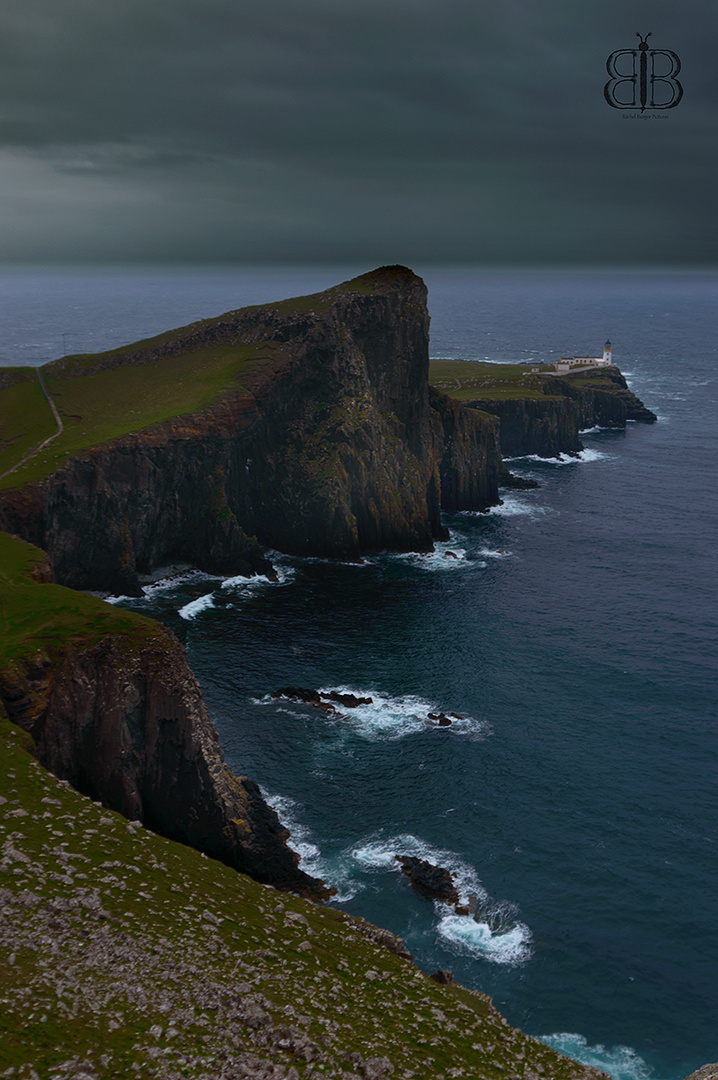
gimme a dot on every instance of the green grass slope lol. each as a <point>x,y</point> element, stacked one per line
<point>467,380</point>
<point>103,396</point>
<point>38,619</point>
<point>97,408</point>
<point>123,954</point>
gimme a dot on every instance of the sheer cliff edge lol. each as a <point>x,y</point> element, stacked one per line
<point>307,426</point>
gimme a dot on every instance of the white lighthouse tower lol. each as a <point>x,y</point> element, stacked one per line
<point>607,353</point>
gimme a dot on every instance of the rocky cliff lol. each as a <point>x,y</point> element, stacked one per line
<point>549,423</point>
<point>330,447</point>
<point>113,707</point>
<point>128,728</point>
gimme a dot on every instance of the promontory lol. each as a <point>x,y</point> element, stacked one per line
<point>308,426</point>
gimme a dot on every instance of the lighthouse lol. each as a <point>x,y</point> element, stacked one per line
<point>607,353</point>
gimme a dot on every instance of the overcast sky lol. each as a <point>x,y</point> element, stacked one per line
<point>415,131</point>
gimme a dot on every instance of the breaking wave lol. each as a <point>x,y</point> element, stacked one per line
<point>196,607</point>
<point>394,717</point>
<point>501,945</point>
<point>377,854</point>
<point>620,1062</point>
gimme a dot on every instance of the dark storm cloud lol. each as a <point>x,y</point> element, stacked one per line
<point>353,129</point>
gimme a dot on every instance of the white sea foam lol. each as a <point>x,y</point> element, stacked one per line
<point>588,454</point>
<point>488,553</point>
<point>500,946</point>
<point>249,584</point>
<point>162,581</point>
<point>195,607</point>
<point>301,841</point>
<point>445,556</point>
<point>620,1062</point>
<point>242,586</point>
<point>395,717</point>
<point>166,579</point>
<point>495,933</point>
<point>512,506</point>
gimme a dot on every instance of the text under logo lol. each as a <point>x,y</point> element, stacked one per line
<point>643,77</point>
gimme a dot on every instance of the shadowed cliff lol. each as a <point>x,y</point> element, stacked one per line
<point>321,440</point>
<point>113,708</point>
<point>539,412</point>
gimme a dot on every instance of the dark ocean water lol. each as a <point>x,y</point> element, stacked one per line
<point>575,634</point>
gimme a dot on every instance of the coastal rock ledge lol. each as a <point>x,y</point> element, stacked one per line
<point>123,722</point>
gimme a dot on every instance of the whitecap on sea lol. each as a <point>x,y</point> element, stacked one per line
<point>512,506</point>
<point>509,945</point>
<point>195,607</point>
<point>620,1062</point>
<point>494,933</point>
<point>284,574</point>
<point>447,555</point>
<point>587,454</point>
<point>390,717</point>
<point>489,553</point>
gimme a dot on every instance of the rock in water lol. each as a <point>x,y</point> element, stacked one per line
<point>435,882</point>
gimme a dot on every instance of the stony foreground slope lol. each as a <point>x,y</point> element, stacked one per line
<point>123,954</point>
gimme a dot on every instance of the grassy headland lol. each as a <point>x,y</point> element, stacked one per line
<point>103,396</point>
<point>468,380</point>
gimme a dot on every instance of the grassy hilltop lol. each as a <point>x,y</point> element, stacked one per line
<point>103,396</point>
<point>97,406</point>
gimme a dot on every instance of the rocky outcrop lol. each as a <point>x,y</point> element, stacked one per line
<point>333,447</point>
<point>124,722</point>
<point>707,1072</point>
<point>550,425</point>
<point>323,701</point>
<point>434,882</point>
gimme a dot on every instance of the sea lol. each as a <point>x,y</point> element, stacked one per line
<point>571,629</point>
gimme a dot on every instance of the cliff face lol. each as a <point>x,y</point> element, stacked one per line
<point>549,426</point>
<point>331,448</point>
<point>126,725</point>
<point>470,463</point>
